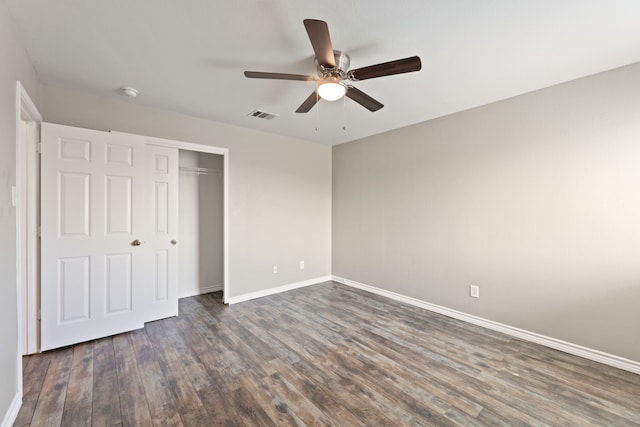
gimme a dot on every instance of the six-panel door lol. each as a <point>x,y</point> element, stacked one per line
<point>96,279</point>
<point>162,222</point>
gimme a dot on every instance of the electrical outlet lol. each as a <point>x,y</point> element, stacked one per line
<point>301,265</point>
<point>474,291</point>
<point>275,269</point>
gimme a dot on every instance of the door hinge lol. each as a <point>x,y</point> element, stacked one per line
<point>39,148</point>
<point>38,317</point>
<point>39,231</point>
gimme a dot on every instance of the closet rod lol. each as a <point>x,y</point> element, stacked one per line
<point>190,170</point>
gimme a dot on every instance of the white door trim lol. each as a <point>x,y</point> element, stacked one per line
<point>26,256</point>
<point>224,152</point>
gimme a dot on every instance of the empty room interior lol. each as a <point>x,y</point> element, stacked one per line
<point>320,213</point>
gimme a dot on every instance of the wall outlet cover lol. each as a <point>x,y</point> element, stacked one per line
<point>474,291</point>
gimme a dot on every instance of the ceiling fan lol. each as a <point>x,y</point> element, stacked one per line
<point>333,70</point>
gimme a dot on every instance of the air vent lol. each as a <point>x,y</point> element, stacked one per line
<point>262,115</point>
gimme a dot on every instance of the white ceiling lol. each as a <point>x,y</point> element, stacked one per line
<point>189,55</point>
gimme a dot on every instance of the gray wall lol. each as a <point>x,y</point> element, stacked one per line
<point>15,66</point>
<point>279,187</point>
<point>536,199</point>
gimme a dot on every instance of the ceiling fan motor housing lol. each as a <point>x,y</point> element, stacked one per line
<point>340,70</point>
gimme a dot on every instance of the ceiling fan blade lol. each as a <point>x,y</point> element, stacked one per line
<point>363,99</point>
<point>277,76</point>
<point>308,103</point>
<point>399,66</point>
<point>318,32</point>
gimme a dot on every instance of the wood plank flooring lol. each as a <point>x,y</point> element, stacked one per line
<point>321,355</point>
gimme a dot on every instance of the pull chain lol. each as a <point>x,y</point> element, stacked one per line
<point>344,113</point>
<point>317,111</point>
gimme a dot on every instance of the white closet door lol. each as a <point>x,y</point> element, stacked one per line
<point>92,201</point>
<point>161,291</point>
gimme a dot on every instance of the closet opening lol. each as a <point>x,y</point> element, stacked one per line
<point>201,223</point>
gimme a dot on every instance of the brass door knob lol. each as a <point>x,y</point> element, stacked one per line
<point>136,243</point>
<point>174,242</point>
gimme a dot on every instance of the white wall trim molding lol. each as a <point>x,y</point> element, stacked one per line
<point>12,413</point>
<point>225,227</point>
<point>202,290</point>
<point>27,111</point>
<point>181,145</point>
<point>576,350</point>
<point>277,290</point>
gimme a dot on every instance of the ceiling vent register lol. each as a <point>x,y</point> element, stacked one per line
<point>262,115</point>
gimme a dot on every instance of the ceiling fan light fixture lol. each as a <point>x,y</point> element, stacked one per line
<point>331,89</point>
<point>332,68</point>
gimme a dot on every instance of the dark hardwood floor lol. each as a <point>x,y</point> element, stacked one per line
<point>321,355</point>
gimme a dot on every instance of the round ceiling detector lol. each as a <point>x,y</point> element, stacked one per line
<point>130,92</point>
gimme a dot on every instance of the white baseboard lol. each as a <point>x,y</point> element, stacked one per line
<point>12,413</point>
<point>277,290</point>
<point>577,350</point>
<point>200,291</point>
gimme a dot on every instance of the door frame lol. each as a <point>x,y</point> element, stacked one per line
<point>201,148</point>
<point>26,237</point>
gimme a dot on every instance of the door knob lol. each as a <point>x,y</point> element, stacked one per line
<point>174,242</point>
<point>136,243</point>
